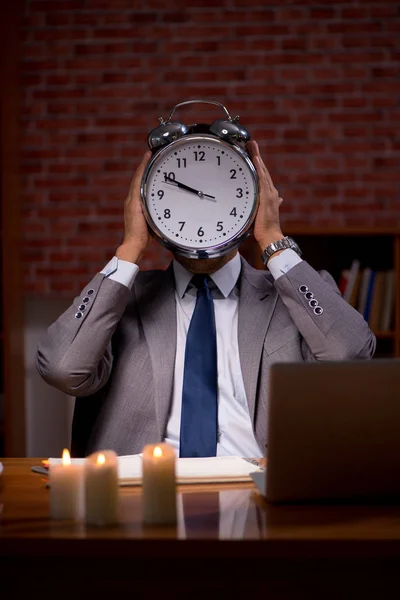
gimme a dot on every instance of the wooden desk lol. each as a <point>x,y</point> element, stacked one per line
<point>228,544</point>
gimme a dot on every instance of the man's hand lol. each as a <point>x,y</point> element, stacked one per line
<point>136,236</point>
<point>267,227</point>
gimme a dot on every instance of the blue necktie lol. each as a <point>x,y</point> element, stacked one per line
<point>198,436</point>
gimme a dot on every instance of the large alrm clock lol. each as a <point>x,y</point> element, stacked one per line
<point>200,187</point>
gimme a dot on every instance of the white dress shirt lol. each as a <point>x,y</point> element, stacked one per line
<point>235,431</point>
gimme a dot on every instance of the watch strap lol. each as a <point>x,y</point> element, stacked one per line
<point>282,244</point>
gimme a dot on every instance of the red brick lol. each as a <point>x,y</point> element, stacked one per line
<point>322,13</point>
<point>387,162</point>
<point>355,102</point>
<point>294,43</point>
<point>87,78</point>
<point>320,163</point>
<point>354,12</point>
<point>61,19</point>
<point>355,26</point>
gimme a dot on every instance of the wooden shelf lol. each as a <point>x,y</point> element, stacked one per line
<point>334,248</point>
<point>378,248</point>
<point>385,335</point>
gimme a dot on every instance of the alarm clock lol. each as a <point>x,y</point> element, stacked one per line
<point>199,191</point>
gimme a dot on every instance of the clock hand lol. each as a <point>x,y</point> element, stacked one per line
<point>181,185</point>
<point>189,189</point>
<point>208,197</point>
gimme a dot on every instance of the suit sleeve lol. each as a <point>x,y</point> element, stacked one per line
<point>75,354</point>
<point>331,328</point>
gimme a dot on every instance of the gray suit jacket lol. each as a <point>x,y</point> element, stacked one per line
<point>118,358</point>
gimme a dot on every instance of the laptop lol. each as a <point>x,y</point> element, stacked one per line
<point>333,432</point>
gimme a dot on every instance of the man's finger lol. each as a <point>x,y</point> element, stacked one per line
<point>266,174</point>
<point>140,170</point>
<point>260,165</point>
<point>263,173</point>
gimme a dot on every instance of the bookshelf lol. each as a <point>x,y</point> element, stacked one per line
<point>377,249</point>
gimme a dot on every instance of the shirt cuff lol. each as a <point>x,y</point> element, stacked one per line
<point>283,262</point>
<point>121,271</point>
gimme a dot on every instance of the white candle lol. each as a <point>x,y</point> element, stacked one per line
<point>101,488</point>
<point>66,489</point>
<point>159,484</point>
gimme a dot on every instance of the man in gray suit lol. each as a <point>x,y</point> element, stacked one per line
<point>119,348</point>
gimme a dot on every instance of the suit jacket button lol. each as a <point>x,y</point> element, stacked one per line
<point>318,310</point>
<point>78,315</point>
<point>303,289</point>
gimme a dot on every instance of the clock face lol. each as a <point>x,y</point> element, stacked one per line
<point>200,195</point>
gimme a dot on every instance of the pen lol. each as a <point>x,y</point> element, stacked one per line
<point>255,462</point>
<point>38,469</point>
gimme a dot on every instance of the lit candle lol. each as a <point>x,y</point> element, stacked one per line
<point>101,488</point>
<point>66,489</point>
<point>159,484</point>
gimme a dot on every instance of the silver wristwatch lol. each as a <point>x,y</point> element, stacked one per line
<point>282,244</point>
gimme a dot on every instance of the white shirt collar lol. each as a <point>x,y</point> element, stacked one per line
<point>225,278</point>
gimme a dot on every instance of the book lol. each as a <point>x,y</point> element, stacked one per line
<point>374,318</point>
<point>370,290</point>
<point>356,290</point>
<point>351,279</point>
<point>388,301</point>
<point>343,280</point>
<point>214,469</point>
<point>364,285</point>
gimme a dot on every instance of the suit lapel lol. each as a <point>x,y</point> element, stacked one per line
<point>257,301</point>
<point>157,308</point>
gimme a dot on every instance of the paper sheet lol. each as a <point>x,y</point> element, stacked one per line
<point>216,469</point>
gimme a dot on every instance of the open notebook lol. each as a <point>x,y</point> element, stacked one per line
<point>216,469</point>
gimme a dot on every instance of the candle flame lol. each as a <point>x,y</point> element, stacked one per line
<point>101,459</point>
<point>66,458</point>
<point>157,451</point>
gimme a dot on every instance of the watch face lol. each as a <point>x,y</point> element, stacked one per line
<point>200,196</point>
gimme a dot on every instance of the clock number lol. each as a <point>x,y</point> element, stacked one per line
<point>239,193</point>
<point>233,212</point>
<point>160,194</point>
<point>181,223</point>
<point>233,173</point>
<point>200,232</point>
<point>167,213</point>
<point>168,176</point>
<point>183,161</point>
<point>199,156</point>
<point>219,226</point>
<point>219,160</point>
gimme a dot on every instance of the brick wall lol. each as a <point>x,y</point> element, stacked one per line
<point>317,84</point>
